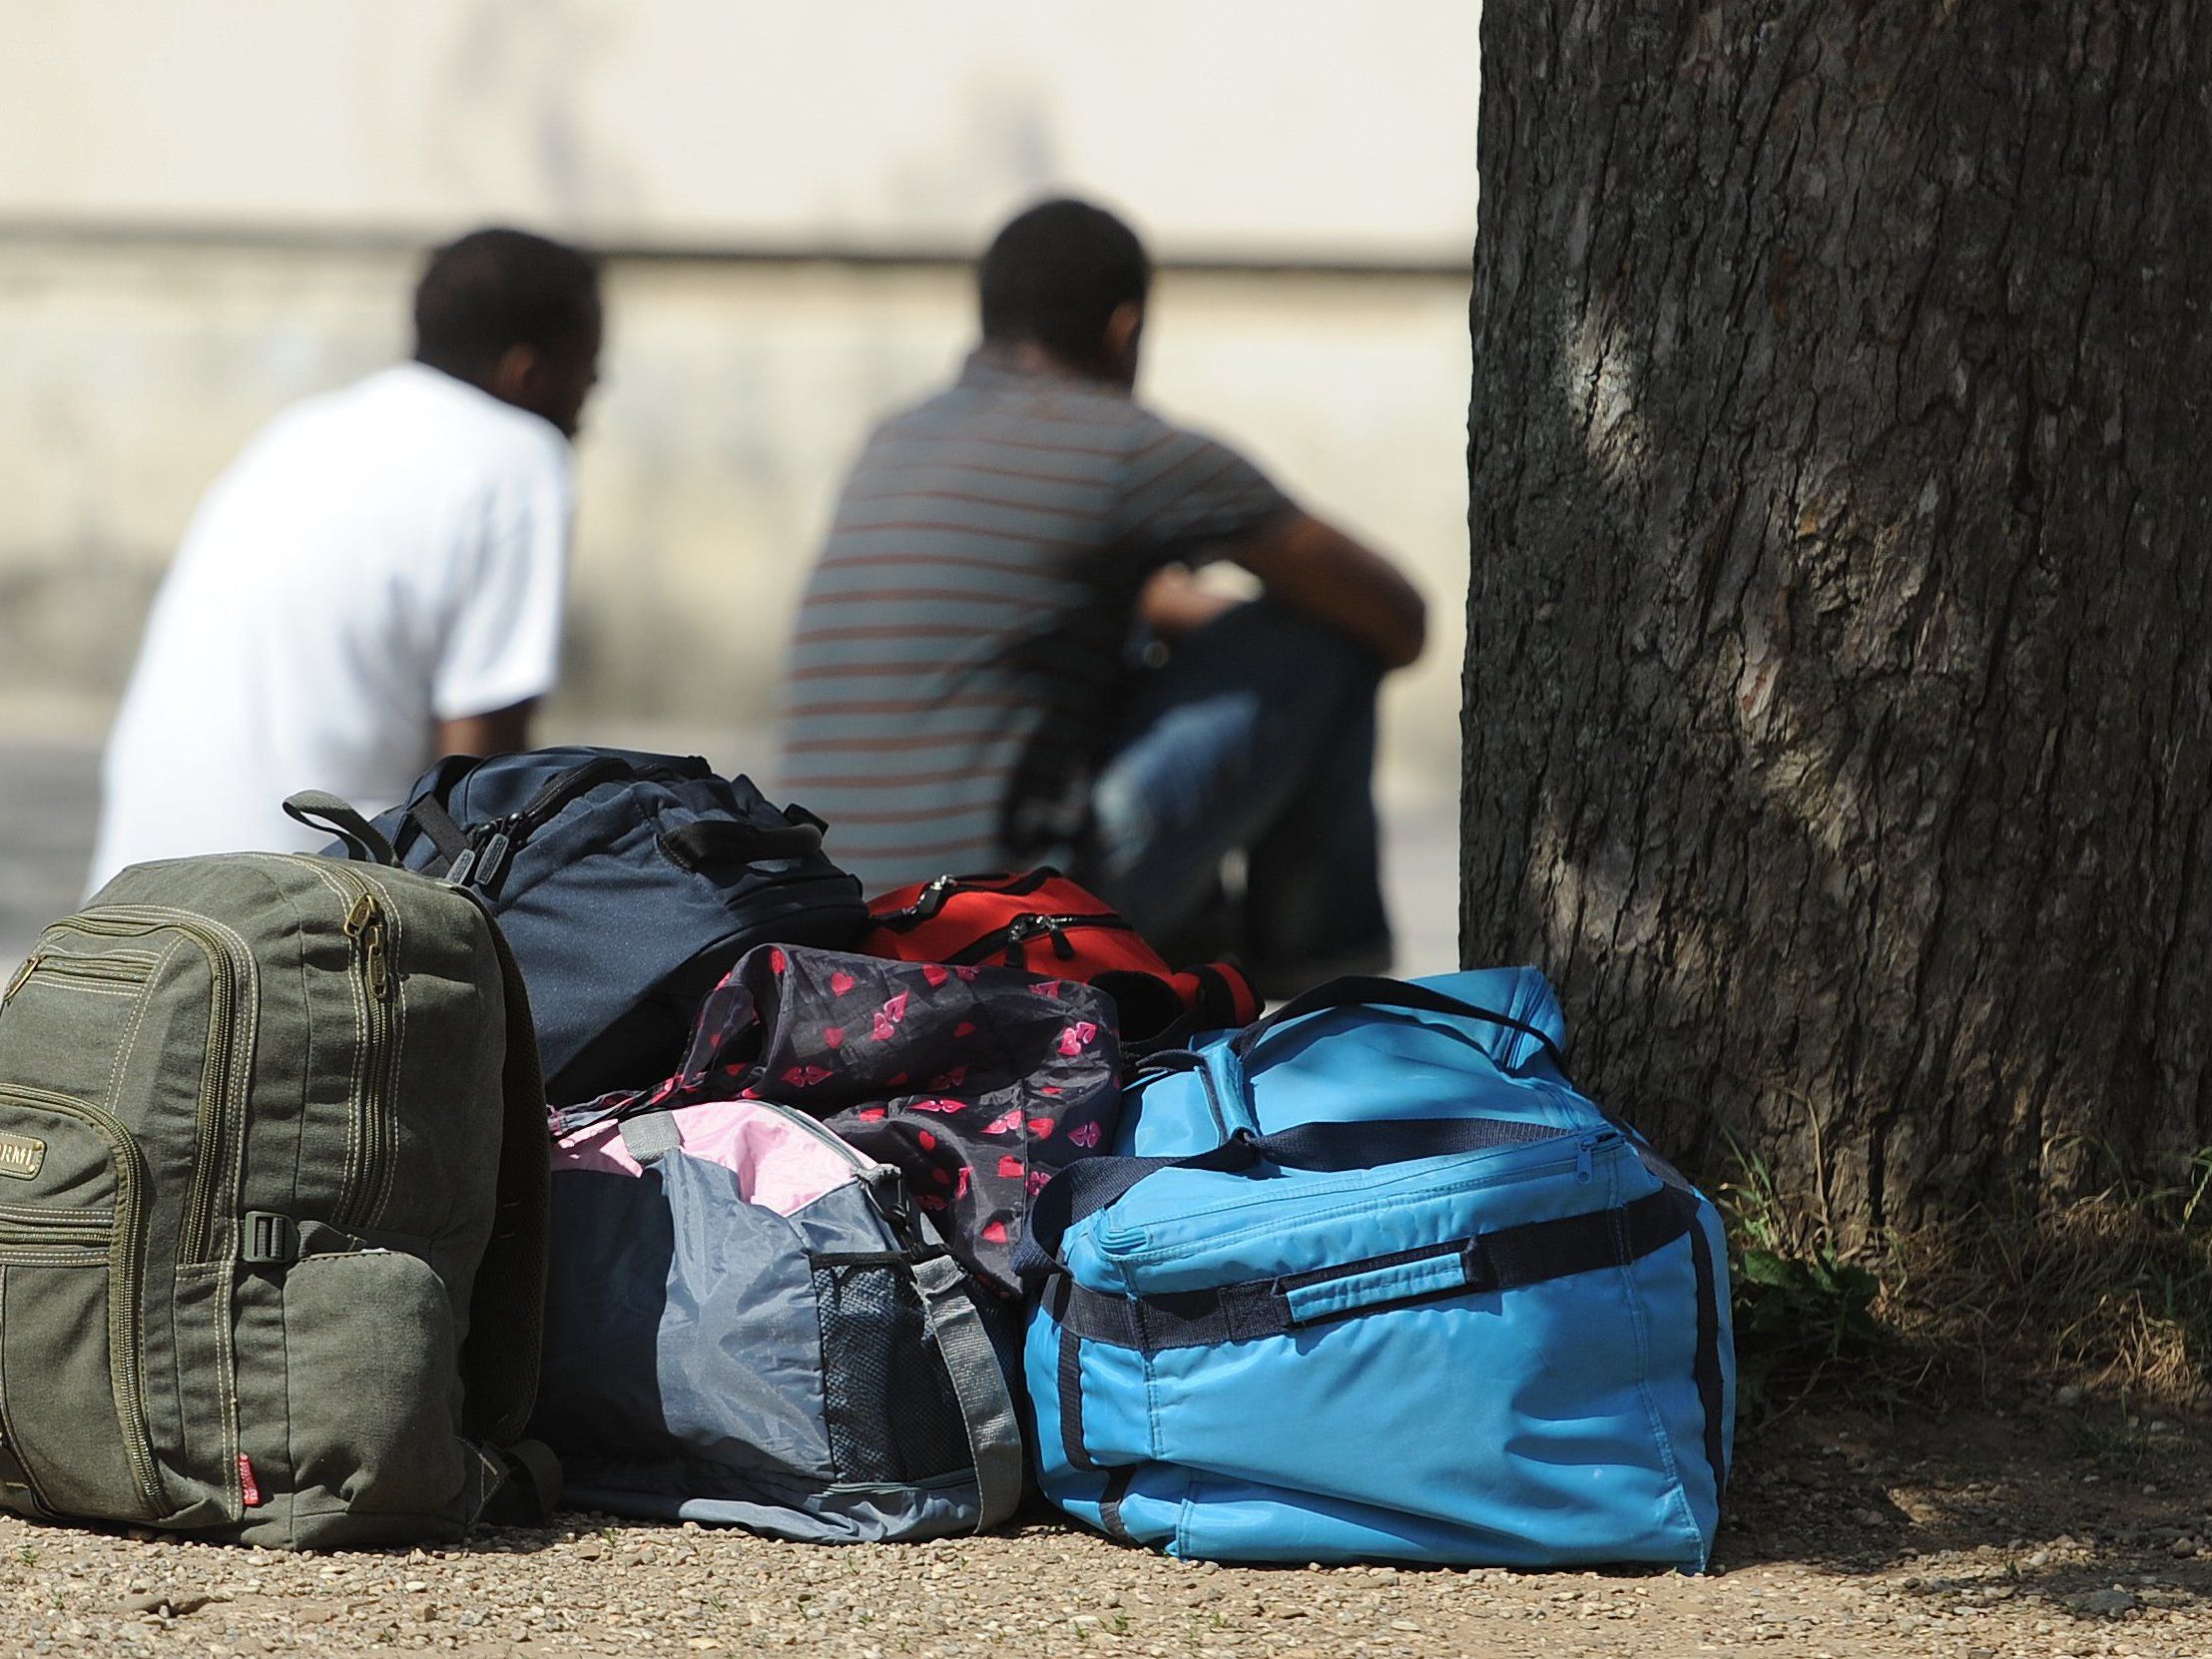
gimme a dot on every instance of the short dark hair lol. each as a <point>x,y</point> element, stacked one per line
<point>1056,273</point>
<point>496,289</point>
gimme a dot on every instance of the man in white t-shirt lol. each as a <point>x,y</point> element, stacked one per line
<point>377,581</point>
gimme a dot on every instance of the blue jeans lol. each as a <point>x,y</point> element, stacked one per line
<point>1257,736</point>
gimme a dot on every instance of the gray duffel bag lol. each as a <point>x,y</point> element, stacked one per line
<point>747,1325</point>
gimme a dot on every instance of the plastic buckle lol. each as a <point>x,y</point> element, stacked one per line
<point>886,1190</point>
<point>267,1240</point>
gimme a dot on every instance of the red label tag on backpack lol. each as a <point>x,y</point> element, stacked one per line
<point>250,1490</point>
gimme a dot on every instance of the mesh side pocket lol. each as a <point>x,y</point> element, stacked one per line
<point>891,1412</point>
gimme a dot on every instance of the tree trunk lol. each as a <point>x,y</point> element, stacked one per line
<point>1840,646</point>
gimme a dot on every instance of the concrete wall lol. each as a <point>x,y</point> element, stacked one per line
<point>735,394</point>
<point>1286,128</point>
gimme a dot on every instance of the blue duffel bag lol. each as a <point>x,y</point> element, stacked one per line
<point>1370,1280</point>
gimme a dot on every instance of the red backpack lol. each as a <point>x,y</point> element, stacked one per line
<point>1043,922</point>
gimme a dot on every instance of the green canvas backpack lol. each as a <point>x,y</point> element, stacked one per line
<point>272,1184</point>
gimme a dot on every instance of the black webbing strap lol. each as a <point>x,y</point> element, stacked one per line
<point>1218,999</point>
<point>1110,1501</point>
<point>1707,1361</point>
<point>1505,1259</point>
<point>446,835</point>
<point>506,1327</point>
<point>1069,1383</point>
<point>1360,991</point>
<point>531,1491</point>
<point>723,841</point>
<point>1086,1187</point>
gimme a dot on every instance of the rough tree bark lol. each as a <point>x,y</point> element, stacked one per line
<point>1840,655</point>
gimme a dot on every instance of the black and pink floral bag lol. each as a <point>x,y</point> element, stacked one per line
<point>978,1084</point>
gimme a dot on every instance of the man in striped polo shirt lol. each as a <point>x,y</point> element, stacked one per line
<point>1002,659</point>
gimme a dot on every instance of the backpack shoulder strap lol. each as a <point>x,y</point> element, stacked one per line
<point>506,1327</point>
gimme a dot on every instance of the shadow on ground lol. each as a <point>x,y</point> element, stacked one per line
<point>2092,1509</point>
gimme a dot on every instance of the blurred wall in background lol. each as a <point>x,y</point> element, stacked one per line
<point>207,211</point>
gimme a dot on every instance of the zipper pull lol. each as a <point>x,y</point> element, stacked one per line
<point>492,853</point>
<point>1582,1171</point>
<point>1061,946</point>
<point>932,898</point>
<point>15,984</point>
<point>365,923</point>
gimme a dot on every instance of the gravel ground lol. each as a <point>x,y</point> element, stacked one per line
<point>2039,1531</point>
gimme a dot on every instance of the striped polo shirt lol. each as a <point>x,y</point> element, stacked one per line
<point>955,669</point>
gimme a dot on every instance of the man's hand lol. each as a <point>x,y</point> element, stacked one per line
<point>1174,603</point>
<point>1320,570</point>
<point>501,732</point>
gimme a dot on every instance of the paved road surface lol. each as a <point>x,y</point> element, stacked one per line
<point>49,796</point>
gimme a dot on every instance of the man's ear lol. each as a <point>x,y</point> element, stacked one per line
<point>515,378</point>
<point>1124,331</point>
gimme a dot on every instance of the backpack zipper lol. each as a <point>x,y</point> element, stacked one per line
<point>496,841</point>
<point>371,1136</point>
<point>38,1215</point>
<point>48,1235</point>
<point>932,897</point>
<point>219,1080</point>
<point>103,970</point>
<point>1014,937</point>
<point>373,1132</point>
<point>127,1244</point>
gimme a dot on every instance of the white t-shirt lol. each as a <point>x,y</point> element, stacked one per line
<point>379,559</point>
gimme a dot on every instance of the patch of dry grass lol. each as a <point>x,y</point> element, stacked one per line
<point>2111,1290</point>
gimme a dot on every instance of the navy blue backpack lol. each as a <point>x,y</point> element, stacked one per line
<point>627,884</point>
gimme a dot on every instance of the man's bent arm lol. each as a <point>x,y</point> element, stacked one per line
<point>501,732</point>
<point>1320,570</point>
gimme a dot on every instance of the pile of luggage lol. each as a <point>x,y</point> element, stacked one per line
<point>574,1133</point>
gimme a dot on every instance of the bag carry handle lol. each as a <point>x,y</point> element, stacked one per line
<point>1361,991</point>
<point>1499,1259</point>
<point>722,840</point>
<point>1086,1187</point>
<point>318,810</point>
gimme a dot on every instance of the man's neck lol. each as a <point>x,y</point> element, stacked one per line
<point>1029,356</point>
